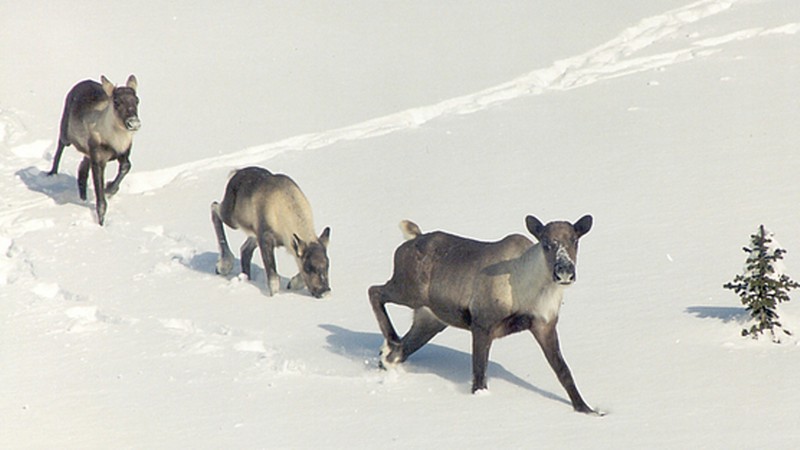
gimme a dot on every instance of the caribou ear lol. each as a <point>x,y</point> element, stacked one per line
<point>132,83</point>
<point>583,225</point>
<point>534,226</point>
<point>298,245</point>
<point>108,87</point>
<point>325,237</point>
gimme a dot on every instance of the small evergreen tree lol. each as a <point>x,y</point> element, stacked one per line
<point>763,285</point>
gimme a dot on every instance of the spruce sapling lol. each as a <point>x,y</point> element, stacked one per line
<point>763,286</point>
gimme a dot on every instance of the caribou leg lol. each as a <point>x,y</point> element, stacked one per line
<point>83,177</point>
<point>57,157</point>
<point>481,344</point>
<point>124,168</point>
<point>98,166</point>
<point>225,261</point>
<point>247,249</point>
<point>424,327</point>
<point>267,246</point>
<point>378,297</point>
<point>547,337</point>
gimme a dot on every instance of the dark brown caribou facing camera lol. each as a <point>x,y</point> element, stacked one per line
<point>492,289</point>
<point>99,119</point>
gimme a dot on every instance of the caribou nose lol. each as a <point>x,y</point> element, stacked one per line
<point>564,273</point>
<point>567,277</point>
<point>322,293</point>
<point>133,123</point>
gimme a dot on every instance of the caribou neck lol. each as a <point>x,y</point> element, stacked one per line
<point>119,137</point>
<point>540,295</point>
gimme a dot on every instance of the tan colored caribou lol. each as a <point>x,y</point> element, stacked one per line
<point>99,119</point>
<point>492,289</point>
<point>272,210</point>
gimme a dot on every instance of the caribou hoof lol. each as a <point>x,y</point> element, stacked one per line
<point>273,286</point>
<point>224,266</point>
<point>111,189</point>
<point>586,409</point>
<point>389,357</point>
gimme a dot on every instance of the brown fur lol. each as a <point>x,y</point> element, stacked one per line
<point>99,120</point>
<point>272,210</point>
<point>491,289</point>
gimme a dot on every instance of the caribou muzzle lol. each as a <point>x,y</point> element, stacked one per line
<point>324,292</point>
<point>563,268</point>
<point>564,275</point>
<point>133,123</point>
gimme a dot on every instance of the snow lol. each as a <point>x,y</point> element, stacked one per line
<point>672,123</point>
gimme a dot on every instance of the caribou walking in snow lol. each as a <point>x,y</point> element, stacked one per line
<point>99,119</point>
<point>492,289</point>
<point>272,210</point>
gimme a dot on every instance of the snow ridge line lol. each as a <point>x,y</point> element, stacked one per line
<point>609,60</point>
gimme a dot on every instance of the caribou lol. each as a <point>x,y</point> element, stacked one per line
<point>491,289</point>
<point>273,212</point>
<point>99,119</point>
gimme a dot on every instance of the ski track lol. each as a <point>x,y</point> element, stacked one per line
<point>613,59</point>
<point>610,60</point>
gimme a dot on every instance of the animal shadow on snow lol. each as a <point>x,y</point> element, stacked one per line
<point>62,188</point>
<point>206,263</point>
<point>724,313</point>
<point>445,362</point>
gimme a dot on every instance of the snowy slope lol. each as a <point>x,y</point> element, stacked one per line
<point>673,124</point>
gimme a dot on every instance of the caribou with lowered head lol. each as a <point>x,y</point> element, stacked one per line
<point>492,289</point>
<point>99,119</point>
<point>272,210</point>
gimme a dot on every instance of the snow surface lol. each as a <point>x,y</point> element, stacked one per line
<point>673,123</point>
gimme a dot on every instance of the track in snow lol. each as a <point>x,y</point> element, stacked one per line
<point>615,58</point>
